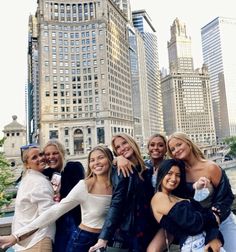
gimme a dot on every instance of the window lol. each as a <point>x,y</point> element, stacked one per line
<point>53,134</point>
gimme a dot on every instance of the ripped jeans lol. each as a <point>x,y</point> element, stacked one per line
<point>195,243</point>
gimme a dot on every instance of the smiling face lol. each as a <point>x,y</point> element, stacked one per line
<point>179,149</point>
<point>123,148</point>
<point>171,180</point>
<point>35,160</point>
<point>99,164</point>
<point>53,157</point>
<point>157,148</point>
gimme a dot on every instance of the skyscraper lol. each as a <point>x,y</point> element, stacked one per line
<point>142,127</point>
<point>186,93</point>
<point>218,46</point>
<point>79,74</point>
<point>142,22</point>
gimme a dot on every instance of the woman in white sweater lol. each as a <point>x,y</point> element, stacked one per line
<point>34,196</point>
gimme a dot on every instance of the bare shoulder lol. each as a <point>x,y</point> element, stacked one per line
<point>214,172</point>
<point>160,203</point>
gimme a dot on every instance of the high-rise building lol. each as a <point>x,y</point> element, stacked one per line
<point>218,46</point>
<point>142,129</point>
<point>142,22</point>
<point>186,93</point>
<point>79,74</point>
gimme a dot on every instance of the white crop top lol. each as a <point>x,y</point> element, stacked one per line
<point>94,208</point>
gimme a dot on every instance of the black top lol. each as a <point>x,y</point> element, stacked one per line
<point>129,219</point>
<point>188,218</point>
<point>72,173</point>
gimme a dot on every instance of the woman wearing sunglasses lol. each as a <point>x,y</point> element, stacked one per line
<point>34,196</point>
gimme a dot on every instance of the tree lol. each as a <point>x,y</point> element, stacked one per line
<point>6,179</point>
<point>231,141</point>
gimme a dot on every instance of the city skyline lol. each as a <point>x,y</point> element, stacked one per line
<point>14,45</point>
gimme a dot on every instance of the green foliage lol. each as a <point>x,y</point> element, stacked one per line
<point>231,141</point>
<point>6,179</point>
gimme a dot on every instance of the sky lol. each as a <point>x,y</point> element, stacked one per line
<point>14,30</point>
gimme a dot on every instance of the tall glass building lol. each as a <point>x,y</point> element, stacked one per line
<point>142,22</point>
<point>218,46</point>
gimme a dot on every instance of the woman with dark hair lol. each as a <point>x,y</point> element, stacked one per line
<point>157,151</point>
<point>93,194</point>
<point>204,174</point>
<point>185,219</point>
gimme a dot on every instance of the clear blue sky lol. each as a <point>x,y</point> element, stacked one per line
<point>13,43</point>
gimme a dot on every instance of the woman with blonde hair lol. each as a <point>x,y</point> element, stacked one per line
<point>93,194</point>
<point>128,225</point>
<point>71,173</point>
<point>210,183</point>
<point>34,196</point>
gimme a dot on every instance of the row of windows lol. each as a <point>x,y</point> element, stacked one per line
<point>76,109</point>
<point>74,12</point>
<point>12,134</point>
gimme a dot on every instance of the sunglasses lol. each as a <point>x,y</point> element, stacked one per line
<point>26,147</point>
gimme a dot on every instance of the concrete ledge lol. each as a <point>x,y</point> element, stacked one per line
<point>5,225</point>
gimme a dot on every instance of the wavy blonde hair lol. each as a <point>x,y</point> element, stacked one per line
<point>108,154</point>
<point>185,138</point>
<point>134,146</point>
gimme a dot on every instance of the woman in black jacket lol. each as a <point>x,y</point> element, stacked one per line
<point>191,224</point>
<point>71,173</point>
<point>128,225</point>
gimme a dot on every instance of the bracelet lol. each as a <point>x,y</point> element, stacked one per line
<point>16,237</point>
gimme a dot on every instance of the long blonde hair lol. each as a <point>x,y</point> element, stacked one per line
<point>134,146</point>
<point>108,154</point>
<point>185,138</point>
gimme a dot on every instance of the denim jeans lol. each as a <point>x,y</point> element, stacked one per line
<point>64,229</point>
<point>81,241</point>
<point>194,243</point>
<point>228,230</point>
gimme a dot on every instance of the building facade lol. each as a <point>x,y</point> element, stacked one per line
<point>143,24</point>
<point>79,83</point>
<point>142,127</point>
<point>15,137</point>
<point>218,46</point>
<point>186,93</point>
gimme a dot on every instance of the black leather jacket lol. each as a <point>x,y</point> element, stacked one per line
<point>120,220</point>
<point>223,197</point>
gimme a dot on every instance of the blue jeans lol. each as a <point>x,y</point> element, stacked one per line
<point>194,243</point>
<point>81,241</point>
<point>228,230</point>
<point>64,229</point>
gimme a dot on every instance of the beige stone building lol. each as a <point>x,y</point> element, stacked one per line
<point>187,104</point>
<point>79,88</point>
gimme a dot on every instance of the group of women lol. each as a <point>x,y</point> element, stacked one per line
<point>145,207</point>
